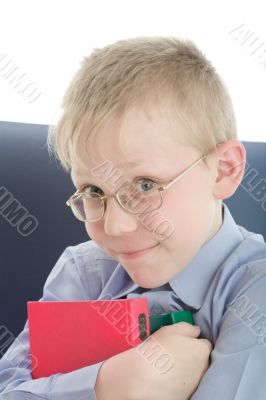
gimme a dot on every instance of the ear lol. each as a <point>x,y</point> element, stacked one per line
<point>230,160</point>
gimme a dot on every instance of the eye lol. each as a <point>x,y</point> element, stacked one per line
<point>145,185</point>
<point>91,190</point>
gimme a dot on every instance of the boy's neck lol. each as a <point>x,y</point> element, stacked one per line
<point>218,221</point>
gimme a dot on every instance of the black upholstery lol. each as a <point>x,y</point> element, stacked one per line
<point>39,185</point>
<point>248,204</point>
<point>42,187</point>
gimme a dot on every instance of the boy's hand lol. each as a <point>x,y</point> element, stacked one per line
<point>135,374</point>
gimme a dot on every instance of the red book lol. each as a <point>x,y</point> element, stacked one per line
<point>68,335</point>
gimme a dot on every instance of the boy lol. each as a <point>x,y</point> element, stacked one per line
<point>148,134</point>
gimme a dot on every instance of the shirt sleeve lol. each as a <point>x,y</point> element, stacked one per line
<point>64,283</point>
<point>238,361</point>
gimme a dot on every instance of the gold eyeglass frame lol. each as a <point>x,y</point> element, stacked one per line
<point>160,188</point>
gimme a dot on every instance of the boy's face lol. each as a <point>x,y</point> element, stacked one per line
<point>189,204</point>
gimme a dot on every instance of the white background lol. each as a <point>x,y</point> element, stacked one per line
<point>48,39</point>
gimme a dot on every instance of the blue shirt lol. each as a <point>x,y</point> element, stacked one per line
<point>224,285</point>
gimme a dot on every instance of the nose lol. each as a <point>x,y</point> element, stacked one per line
<point>118,221</point>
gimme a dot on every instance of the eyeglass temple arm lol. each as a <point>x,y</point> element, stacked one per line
<point>183,173</point>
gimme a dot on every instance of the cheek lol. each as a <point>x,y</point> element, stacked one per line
<point>190,210</point>
<point>94,230</point>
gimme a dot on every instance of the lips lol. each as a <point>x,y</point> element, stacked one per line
<point>137,250</point>
<point>137,253</point>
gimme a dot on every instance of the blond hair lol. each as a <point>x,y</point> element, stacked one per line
<point>164,71</point>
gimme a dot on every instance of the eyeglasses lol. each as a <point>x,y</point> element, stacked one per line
<point>89,206</point>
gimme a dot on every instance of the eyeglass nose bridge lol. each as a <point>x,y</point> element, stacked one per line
<point>104,200</point>
<point>118,199</point>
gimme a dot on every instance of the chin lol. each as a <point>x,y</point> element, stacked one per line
<point>145,280</point>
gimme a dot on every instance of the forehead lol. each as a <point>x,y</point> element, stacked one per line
<point>140,138</point>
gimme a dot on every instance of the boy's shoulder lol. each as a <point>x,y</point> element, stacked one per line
<point>245,269</point>
<point>81,272</point>
<point>90,258</point>
<point>89,251</point>
<point>251,250</point>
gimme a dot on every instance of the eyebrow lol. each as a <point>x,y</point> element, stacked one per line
<point>127,164</point>
<point>114,169</point>
<point>83,180</point>
<point>130,163</point>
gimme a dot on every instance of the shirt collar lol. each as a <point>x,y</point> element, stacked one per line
<point>192,283</point>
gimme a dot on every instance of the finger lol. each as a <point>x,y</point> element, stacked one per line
<point>208,344</point>
<point>186,329</point>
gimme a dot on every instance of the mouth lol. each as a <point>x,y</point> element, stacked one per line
<point>139,253</point>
